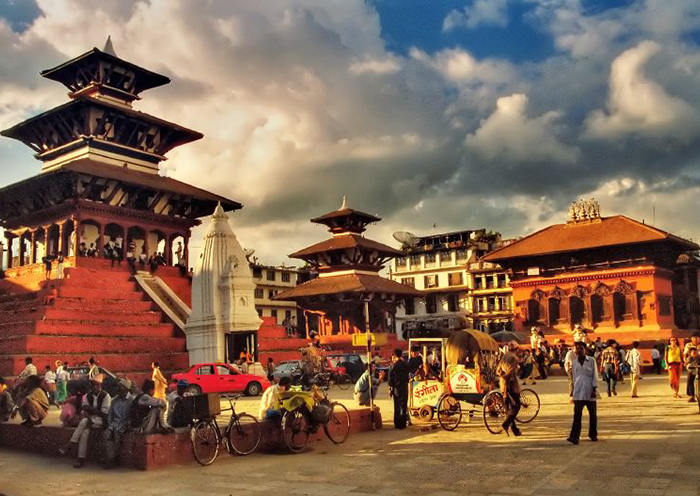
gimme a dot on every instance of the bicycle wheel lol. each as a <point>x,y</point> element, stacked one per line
<point>295,430</point>
<point>205,442</point>
<point>344,382</point>
<point>494,412</point>
<point>529,406</point>
<point>338,426</point>
<point>449,412</point>
<point>244,434</point>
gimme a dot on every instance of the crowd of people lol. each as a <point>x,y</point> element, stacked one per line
<point>90,410</point>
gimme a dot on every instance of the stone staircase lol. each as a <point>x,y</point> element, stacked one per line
<point>100,312</point>
<point>274,342</point>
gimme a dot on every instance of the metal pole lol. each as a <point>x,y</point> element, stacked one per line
<point>368,335</point>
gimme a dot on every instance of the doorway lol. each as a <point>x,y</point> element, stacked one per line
<point>241,341</point>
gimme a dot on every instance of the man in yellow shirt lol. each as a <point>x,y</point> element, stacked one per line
<point>6,402</point>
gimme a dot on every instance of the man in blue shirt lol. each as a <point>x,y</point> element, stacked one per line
<point>584,393</point>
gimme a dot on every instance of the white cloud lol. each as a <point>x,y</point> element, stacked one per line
<point>388,65</point>
<point>460,67</point>
<point>509,134</point>
<point>480,13</point>
<point>637,104</point>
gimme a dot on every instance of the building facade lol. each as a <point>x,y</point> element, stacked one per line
<point>460,290</point>
<point>271,280</point>
<point>607,274</point>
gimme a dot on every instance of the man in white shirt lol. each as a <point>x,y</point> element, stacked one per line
<point>270,402</point>
<point>634,358</point>
<point>50,381</point>
<point>29,369</point>
<point>585,375</point>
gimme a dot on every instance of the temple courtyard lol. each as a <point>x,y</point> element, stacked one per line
<point>648,446</point>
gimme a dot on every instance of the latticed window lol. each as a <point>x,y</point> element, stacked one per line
<point>431,281</point>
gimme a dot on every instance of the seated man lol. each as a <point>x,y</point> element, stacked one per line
<point>34,404</point>
<point>149,411</point>
<point>118,422</point>
<point>179,413</point>
<point>94,410</point>
<point>362,386</point>
<point>6,402</point>
<point>270,402</point>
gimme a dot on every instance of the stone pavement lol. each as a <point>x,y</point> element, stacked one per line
<point>648,446</point>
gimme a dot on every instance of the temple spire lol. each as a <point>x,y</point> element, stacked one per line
<point>343,205</point>
<point>109,48</point>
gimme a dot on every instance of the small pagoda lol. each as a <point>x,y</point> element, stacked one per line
<point>348,266</point>
<point>99,180</point>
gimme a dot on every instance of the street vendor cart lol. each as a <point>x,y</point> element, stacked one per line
<point>457,368</point>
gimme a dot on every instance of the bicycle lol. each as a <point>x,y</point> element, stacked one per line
<point>328,379</point>
<point>494,409</point>
<point>304,413</point>
<point>242,435</point>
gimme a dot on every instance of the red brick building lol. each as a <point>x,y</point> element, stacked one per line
<point>614,275</point>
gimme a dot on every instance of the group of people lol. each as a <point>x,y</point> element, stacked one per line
<point>88,408</point>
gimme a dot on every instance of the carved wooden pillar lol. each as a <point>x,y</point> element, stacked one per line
<point>146,244</point>
<point>8,238</point>
<point>60,238</point>
<point>100,240</point>
<point>588,312</point>
<point>76,235</point>
<point>169,248</point>
<point>186,254</point>
<point>47,244</point>
<point>21,249</point>
<point>32,248</point>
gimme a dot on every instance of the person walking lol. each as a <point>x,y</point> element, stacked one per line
<point>674,359</point>
<point>656,360</point>
<point>50,384</point>
<point>161,384</point>
<point>568,364</point>
<point>398,388</point>
<point>690,378</point>
<point>508,381</point>
<point>585,376</point>
<point>62,378</point>
<point>610,366</point>
<point>634,359</point>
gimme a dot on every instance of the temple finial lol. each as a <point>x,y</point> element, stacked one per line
<point>343,205</point>
<point>109,48</point>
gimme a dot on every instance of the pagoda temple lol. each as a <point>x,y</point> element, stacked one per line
<point>615,276</point>
<point>99,179</point>
<point>99,187</point>
<point>348,266</point>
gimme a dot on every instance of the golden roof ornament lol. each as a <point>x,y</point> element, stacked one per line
<point>584,210</point>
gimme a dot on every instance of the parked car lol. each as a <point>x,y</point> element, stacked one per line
<point>79,380</point>
<point>221,378</point>
<point>291,369</point>
<point>352,362</point>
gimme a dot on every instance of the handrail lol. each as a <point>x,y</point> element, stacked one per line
<point>164,297</point>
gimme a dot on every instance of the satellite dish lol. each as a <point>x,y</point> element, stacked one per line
<point>474,235</point>
<point>406,238</point>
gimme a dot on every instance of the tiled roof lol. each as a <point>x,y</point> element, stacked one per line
<point>606,231</point>
<point>348,283</point>
<point>346,241</point>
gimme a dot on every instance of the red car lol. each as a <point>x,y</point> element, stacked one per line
<point>221,378</point>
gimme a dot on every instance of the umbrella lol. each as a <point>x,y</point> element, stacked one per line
<point>506,336</point>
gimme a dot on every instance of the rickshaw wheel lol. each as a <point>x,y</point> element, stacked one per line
<point>529,406</point>
<point>425,413</point>
<point>449,412</point>
<point>494,412</point>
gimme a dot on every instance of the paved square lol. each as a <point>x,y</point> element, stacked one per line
<point>648,446</point>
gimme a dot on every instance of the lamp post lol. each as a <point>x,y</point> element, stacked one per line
<point>368,336</point>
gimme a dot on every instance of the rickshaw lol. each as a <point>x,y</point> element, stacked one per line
<point>463,370</point>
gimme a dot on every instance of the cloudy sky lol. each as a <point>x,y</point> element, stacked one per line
<point>436,114</point>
